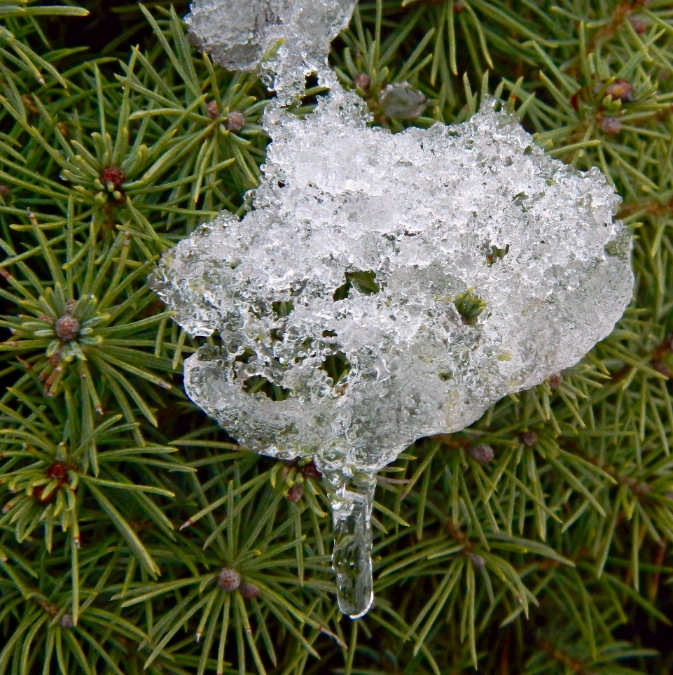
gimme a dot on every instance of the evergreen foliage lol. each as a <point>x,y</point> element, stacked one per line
<point>537,541</point>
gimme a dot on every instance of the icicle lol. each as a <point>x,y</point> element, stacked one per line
<point>352,556</point>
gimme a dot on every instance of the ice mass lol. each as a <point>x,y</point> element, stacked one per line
<point>443,268</point>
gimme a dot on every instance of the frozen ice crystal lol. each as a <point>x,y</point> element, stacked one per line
<point>238,34</point>
<point>443,268</point>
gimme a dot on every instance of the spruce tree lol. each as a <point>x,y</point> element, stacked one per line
<point>137,536</point>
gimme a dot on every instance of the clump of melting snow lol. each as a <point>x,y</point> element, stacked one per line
<point>382,287</point>
<point>238,34</point>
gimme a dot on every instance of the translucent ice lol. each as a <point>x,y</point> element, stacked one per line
<point>442,268</point>
<point>239,33</point>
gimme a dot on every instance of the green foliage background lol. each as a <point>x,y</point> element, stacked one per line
<point>122,502</point>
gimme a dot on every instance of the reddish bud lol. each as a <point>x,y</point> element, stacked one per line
<point>363,81</point>
<point>213,110</point>
<point>555,380</point>
<point>611,125</point>
<point>235,121</point>
<point>620,89</point>
<point>228,579</point>
<point>481,453</point>
<point>67,328</point>
<point>295,493</point>
<point>529,438</point>
<point>5,191</point>
<point>58,471</point>
<point>114,175</point>
<point>638,24</point>
<point>477,561</point>
<point>66,622</point>
<point>249,590</point>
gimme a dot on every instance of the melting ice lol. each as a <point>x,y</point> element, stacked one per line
<point>439,269</point>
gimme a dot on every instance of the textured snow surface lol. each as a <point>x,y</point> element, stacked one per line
<point>434,214</point>
<point>439,269</point>
<point>239,33</point>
